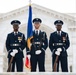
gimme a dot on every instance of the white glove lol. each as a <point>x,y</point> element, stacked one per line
<point>57,53</point>
<point>12,54</point>
<point>15,50</point>
<point>29,56</point>
<point>59,49</point>
<point>38,52</point>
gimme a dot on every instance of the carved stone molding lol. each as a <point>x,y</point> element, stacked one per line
<point>37,8</point>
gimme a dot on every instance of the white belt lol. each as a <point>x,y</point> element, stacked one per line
<point>14,44</point>
<point>37,42</point>
<point>58,44</point>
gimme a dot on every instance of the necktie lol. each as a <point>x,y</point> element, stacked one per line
<point>59,33</point>
<point>36,32</point>
<point>15,33</point>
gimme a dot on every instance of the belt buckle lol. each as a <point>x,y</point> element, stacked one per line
<point>59,44</point>
<point>15,44</point>
<point>36,42</point>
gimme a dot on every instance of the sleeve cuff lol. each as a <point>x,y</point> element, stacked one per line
<point>53,50</point>
<point>43,49</point>
<point>20,49</point>
<point>64,48</point>
<point>9,51</point>
<point>28,52</point>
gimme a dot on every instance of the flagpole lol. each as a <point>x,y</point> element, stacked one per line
<point>29,2</point>
<point>29,34</point>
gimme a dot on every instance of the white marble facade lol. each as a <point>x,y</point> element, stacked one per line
<point>48,17</point>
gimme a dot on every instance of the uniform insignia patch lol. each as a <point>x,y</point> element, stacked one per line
<point>20,39</point>
<point>64,39</point>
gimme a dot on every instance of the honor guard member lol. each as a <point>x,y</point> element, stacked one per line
<point>39,44</point>
<point>15,44</point>
<point>59,40</point>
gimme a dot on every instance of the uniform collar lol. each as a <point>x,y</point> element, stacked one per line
<point>38,31</point>
<point>16,32</point>
<point>59,31</point>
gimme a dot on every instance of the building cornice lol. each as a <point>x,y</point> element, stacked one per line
<point>52,13</point>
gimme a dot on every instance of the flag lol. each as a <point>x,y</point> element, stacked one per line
<point>29,27</point>
<point>27,63</point>
<point>29,34</point>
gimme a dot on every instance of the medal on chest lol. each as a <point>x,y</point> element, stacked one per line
<point>19,39</point>
<point>64,39</point>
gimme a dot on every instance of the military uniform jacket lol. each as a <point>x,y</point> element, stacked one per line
<point>16,42</point>
<point>38,42</point>
<point>57,41</point>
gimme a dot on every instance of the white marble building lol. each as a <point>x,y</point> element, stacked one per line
<point>48,17</point>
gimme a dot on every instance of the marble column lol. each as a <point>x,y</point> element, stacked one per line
<point>74,50</point>
<point>73,46</point>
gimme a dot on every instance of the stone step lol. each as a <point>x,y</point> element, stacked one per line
<point>38,73</point>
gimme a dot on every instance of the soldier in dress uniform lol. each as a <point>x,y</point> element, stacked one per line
<point>39,44</point>
<point>15,44</point>
<point>59,40</point>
